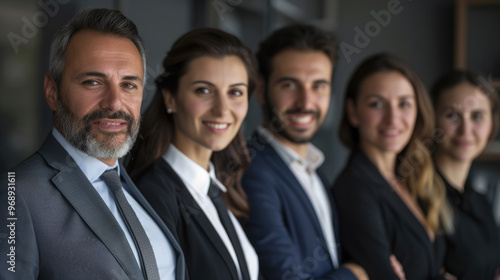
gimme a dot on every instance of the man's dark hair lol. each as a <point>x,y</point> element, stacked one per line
<point>295,37</point>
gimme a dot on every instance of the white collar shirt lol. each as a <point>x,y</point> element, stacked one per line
<point>197,181</point>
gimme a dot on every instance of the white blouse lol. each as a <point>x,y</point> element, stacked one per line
<point>197,181</point>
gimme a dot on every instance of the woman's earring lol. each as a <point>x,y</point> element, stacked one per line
<point>169,110</point>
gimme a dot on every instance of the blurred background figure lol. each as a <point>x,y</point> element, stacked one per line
<point>466,108</point>
<point>390,200</point>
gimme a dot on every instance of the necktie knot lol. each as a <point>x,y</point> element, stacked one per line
<point>213,191</point>
<point>111,178</point>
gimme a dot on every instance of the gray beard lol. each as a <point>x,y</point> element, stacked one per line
<point>78,132</point>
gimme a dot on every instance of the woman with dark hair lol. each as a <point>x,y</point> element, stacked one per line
<point>190,155</point>
<point>466,118</point>
<point>391,203</point>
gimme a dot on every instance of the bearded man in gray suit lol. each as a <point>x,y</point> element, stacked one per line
<point>65,220</point>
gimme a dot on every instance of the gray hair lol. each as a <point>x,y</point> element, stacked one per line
<point>102,20</point>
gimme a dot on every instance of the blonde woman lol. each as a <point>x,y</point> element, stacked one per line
<point>391,204</point>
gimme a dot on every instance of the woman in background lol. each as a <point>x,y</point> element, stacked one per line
<point>391,204</point>
<point>191,151</point>
<point>466,118</point>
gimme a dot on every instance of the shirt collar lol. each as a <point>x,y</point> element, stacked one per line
<point>190,172</point>
<point>90,166</point>
<point>314,157</point>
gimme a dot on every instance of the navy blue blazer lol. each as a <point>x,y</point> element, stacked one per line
<point>282,224</point>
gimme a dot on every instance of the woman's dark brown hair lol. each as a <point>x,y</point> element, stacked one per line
<point>157,127</point>
<point>456,77</point>
<point>414,164</point>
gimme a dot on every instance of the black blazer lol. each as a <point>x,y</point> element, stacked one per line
<point>64,230</point>
<point>205,253</point>
<point>375,223</point>
<point>473,250</point>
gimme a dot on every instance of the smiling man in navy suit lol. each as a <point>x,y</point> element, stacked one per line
<point>77,214</point>
<point>293,221</point>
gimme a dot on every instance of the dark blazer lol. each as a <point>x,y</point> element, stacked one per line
<point>282,225</point>
<point>205,253</point>
<point>473,250</point>
<point>375,223</point>
<point>64,230</point>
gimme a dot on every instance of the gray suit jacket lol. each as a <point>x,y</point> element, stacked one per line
<point>60,228</point>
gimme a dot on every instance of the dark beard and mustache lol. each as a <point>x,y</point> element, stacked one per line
<point>278,124</point>
<point>79,133</point>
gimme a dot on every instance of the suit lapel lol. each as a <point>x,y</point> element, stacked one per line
<point>136,194</point>
<point>399,207</point>
<point>396,204</point>
<point>80,193</point>
<point>191,211</point>
<point>276,162</point>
